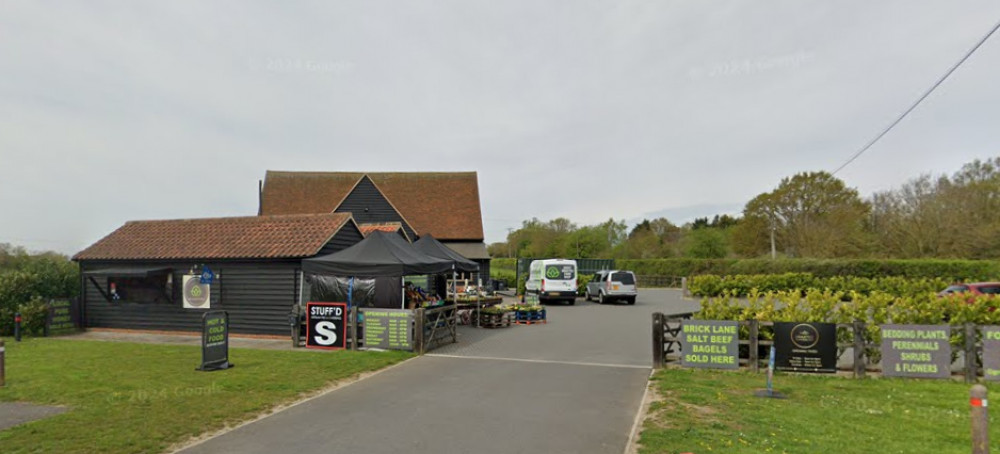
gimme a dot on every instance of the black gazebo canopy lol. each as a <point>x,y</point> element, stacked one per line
<point>432,247</point>
<point>381,254</point>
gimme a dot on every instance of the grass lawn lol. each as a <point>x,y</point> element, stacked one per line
<point>702,411</point>
<point>130,398</point>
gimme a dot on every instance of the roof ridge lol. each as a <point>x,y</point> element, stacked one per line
<point>232,218</point>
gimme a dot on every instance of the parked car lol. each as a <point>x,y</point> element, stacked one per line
<point>975,288</point>
<point>552,280</point>
<point>612,285</point>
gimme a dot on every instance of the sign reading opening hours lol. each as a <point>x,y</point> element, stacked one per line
<point>390,329</point>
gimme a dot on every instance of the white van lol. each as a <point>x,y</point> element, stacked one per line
<point>552,280</point>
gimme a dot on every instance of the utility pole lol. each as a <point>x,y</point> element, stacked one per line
<point>510,252</point>
<point>774,252</point>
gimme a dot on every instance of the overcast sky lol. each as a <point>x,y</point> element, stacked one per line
<point>117,111</point>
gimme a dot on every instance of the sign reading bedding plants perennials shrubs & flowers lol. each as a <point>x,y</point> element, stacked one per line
<point>917,351</point>
<point>991,352</point>
<point>805,347</point>
<point>710,344</point>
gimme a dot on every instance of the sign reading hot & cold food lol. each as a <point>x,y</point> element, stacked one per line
<point>805,347</point>
<point>390,329</point>
<point>326,325</point>
<point>710,344</point>
<point>916,351</point>
<point>215,341</point>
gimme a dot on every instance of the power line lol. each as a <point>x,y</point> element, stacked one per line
<point>914,106</point>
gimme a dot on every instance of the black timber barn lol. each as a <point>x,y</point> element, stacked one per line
<point>443,204</point>
<point>131,279</point>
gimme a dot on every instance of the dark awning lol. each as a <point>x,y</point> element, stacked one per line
<point>432,247</point>
<point>128,271</point>
<point>381,254</point>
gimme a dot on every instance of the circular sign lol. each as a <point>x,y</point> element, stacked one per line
<point>195,293</point>
<point>552,273</point>
<point>805,336</point>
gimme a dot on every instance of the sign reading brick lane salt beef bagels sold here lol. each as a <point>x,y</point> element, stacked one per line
<point>710,344</point>
<point>916,351</point>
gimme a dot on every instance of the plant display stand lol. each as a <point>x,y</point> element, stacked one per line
<point>529,317</point>
<point>495,320</point>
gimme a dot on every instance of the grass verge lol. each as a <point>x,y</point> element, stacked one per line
<point>705,411</point>
<point>143,398</point>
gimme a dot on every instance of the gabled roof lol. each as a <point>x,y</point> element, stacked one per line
<point>444,204</point>
<point>219,238</point>
<point>391,227</point>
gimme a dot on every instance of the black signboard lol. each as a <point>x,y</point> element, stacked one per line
<point>917,351</point>
<point>710,344</point>
<point>215,341</point>
<point>390,329</point>
<point>326,325</point>
<point>805,347</point>
<point>63,316</point>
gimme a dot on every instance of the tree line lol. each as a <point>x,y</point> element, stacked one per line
<point>808,215</point>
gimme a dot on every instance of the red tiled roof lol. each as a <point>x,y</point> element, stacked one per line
<point>391,227</point>
<point>443,204</point>
<point>219,238</point>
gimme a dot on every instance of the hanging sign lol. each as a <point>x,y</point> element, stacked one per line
<point>196,294</point>
<point>916,351</point>
<point>710,344</point>
<point>207,275</point>
<point>326,325</point>
<point>390,329</point>
<point>215,341</point>
<point>805,347</point>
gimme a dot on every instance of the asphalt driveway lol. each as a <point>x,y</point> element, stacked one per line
<point>573,385</point>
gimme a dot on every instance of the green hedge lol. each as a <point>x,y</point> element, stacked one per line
<point>741,285</point>
<point>967,270</point>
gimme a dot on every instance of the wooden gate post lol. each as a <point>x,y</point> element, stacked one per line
<point>971,369</point>
<point>418,331</point>
<point>980,420</point>
<point>658,340</point>
<point>859,349</point>
<point>754,348</point>
<point>352,329</point>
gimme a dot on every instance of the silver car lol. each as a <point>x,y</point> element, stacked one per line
<point>611,285</point>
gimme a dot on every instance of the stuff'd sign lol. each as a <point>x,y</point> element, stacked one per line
<point>326,326</point>
<point>805,347</point>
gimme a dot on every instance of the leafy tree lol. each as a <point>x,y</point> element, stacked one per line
<point>813,214</point>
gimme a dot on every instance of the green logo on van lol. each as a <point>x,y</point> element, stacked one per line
<point>553,272</point>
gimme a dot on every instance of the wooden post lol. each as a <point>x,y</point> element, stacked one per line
<point>684,287</point>
<point>859,349</point>
<point>295,334</point>
<point>658,340</point>
<point>980,420</point>
<point>971,369</point>
<point>352,329</point>
<point>418,331</point>
<point>753,356</point>
<point>2,359</point>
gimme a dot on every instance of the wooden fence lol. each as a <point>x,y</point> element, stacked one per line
<point>656,281</point>
<point>667,345</point>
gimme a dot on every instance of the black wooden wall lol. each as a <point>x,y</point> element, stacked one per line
<point>258,294</point>
<point>368,205</point>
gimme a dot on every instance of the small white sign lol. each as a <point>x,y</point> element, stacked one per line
<point>196,294</point>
